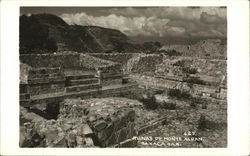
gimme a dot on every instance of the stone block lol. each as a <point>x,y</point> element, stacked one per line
<point>131,115</point>
<point>89,142</point>
<point>109,130</point>
<point>102,137</point>
<point>86,129</point>
<point>111,140</point>
<point>24,96</point>
<point>122,134</point>
<point>100,125</point>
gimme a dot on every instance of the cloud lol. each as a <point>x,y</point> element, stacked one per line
<point>211,19</point>
<point>157,21</point>
<point>132,26</point>
<point>176,13</point>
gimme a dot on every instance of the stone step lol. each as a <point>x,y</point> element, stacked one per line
<point>83,81</point>
<point>107,82</point>
<point>46,80</point>
<point>78,77</point>
<point>111,75</point>
<point>44,70</point>
<point>24,96</point>
<point>82,87</point>
<point>25,103</point>
<point>32,76</point>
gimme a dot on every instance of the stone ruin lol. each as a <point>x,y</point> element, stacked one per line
<point>69,99</point>
<point>85,123</point>
<point>49,80</point>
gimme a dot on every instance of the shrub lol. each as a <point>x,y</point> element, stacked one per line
<point>149,102</point>
<point>179,94</point>
<point>195,80</point>
<point>179,63</point>
<point>170,52</point>
<point>202,123</point>
<point>159,91</point>
<point>193,104</point>
<point>189,70</point>
<point>170,106</point>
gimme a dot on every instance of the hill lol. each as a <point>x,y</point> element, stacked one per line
<point>48,33</point>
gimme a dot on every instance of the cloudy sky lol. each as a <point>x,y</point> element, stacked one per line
<point>154,23</point>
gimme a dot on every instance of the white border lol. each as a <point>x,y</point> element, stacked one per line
<point>238,79</point>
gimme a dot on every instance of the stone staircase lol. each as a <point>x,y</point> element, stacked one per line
<point>82,82</point>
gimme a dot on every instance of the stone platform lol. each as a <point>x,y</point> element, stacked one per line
<point>44,99</point>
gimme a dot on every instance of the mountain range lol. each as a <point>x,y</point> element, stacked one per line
<point>46,33</point>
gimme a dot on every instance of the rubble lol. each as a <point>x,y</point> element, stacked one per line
<point>87,123</point>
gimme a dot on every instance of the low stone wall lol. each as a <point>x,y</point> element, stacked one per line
<point>143,63</point>
<point>193,70</point>
<point>46,88</point>
<point>64,60</point>
<point>90,62</point>
<point>210,48</point>
<point>210,67</point>
<point>109,72</point>
<point>205,91</point>
<point>121,58</point>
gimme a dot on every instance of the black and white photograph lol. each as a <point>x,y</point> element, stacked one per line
<point>137,77</point>
<point>110,77</point>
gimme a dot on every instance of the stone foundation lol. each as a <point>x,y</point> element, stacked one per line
<point>64,60</point>
<point>96,122</point>
<point>46,88</point>
<point>204,91</point>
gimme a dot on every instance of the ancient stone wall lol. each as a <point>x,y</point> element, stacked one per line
<point>109,72</point>
<point>193,70</point>
<point>210,67</point>
<point>143,63</point>
<point>90,62</point>
<point>64,60</point>
<point>45,80</point>
<point>121,58</point>
<point>44,74</point>
<point>205,91</point>
<point>209,49</point>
